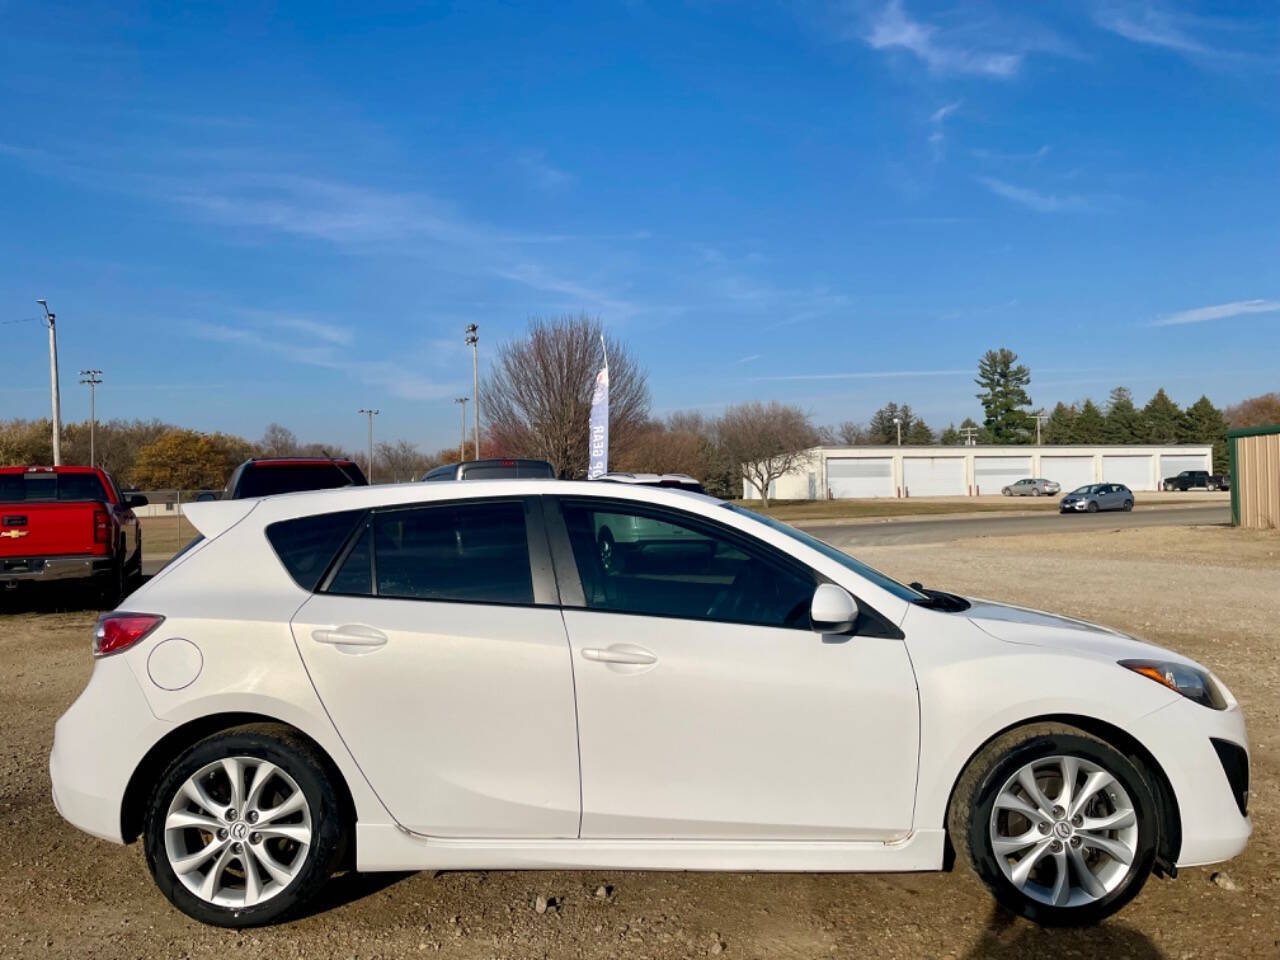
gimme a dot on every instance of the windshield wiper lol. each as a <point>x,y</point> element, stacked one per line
<point>939,599</point>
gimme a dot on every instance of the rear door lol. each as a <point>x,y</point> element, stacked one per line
<point>438,648</point>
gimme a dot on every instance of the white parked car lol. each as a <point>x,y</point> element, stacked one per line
<point>450,676</point>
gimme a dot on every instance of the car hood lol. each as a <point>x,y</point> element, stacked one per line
<point>1037,628</point>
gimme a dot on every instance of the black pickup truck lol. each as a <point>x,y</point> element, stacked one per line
<point>1197,480</point>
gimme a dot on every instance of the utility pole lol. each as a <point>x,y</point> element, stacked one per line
<point>370,414</point>
<point>969,434</point>
<point>92,378</point>
<point>473,337</point>
<point>897,422</point>
<point>462,434</point>
<point>51,321</point>
<point>1040,418</point>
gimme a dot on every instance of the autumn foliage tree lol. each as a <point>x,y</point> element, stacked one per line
<point>182,460</point>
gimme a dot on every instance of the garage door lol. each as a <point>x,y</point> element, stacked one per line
<point>1069,472</point>
<point>848,477</point>
<point>1133,472</point>
<point>992,474</point>
<point>933,476</point>
<point>1172,466</point>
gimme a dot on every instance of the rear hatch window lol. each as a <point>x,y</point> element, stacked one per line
<point>266,480</point>
<point>50,487</point>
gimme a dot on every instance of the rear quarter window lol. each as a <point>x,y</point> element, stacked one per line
<point>307,545</point>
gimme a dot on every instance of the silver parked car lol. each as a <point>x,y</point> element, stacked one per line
<point>1097,496</point>
<point>1032,488</point>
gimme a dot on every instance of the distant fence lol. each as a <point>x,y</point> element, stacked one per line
<point>168,503</point>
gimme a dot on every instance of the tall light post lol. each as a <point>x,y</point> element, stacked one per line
<point>462,434</point>
<point>473,337</point>
<point>370,414</point>
<point>92,378</point>
<point>51,321</point>
<point>897,422</point>
<point>1040,418</point>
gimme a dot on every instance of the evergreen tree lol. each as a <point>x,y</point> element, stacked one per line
<point>1060,427</point>
<point>1204,423</point>
<point>882,429</point>
<point>1004,396</point>
<point>1123,421</point>
<point>951,436</point>
<point>1161,419</point>
<point>1090,425</point>
<point>920,435</point>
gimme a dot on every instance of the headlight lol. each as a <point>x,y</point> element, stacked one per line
<point>1191,682</point>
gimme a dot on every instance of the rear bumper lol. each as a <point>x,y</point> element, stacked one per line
<point>97,744</point>
<point>49,569</point>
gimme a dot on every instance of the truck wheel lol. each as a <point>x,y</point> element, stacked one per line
<point>1211,485</point>
<point>111,587</point>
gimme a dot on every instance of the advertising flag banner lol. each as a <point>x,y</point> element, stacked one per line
<point>598,436</point>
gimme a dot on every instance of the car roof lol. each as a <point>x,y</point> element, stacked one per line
<point>294,461</point>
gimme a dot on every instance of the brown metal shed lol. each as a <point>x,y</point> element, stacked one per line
<point>1255,476</point>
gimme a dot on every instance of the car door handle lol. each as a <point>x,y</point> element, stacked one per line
<point>349,635</point>
<point>619,653</point>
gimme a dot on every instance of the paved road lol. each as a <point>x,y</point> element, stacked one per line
<point>938,529</point>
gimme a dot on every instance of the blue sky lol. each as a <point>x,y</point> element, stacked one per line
<point>280,211</point>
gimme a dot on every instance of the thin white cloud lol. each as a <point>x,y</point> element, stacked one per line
<point>1206,39</point>
<point>542,174</point>
<point>1033,156</point>
<point>937,135</point>
<point>1219,311</point>
<point>869,375</point>
<point>893,28</point>
<point>1033,199</point>
<point>1148,24</point>
<point>749,359</point>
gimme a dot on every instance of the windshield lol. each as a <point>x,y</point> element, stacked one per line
<point>1086,489</point>
<point>901,591</point>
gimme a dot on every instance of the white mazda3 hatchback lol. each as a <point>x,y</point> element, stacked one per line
<point>465,676</point>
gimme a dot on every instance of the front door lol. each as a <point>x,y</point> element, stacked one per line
<point>443,661</point>
<point>707,707</point>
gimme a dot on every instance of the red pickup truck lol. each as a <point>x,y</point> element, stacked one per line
<point>69,525</point>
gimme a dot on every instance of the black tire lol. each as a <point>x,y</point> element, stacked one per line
<point>111,585</point>
<point>973,800</point>
<point>1128,505</point>
<point>1035,491</point>
<point>1093,506</point>
<point>1007,492</point>
<point>314,776</point>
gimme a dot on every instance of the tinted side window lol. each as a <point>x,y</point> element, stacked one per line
<point>476,552</point>
<point>659,564</point>
<point>307,545</point>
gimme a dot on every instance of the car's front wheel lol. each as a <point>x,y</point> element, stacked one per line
<point>244,827</point>
<point>1093,506</point>
<point>1058,824</point>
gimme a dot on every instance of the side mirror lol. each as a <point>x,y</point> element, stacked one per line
<point>833,610</point>
<point>132,500</point>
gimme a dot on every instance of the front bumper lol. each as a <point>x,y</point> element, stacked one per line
<point>1078,506</point>
<point>49,569</point>
<point>1180,737</point>
<point>97,744</point>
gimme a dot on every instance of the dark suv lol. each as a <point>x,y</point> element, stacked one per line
<point>1197,480</point>
<point>267,476</point>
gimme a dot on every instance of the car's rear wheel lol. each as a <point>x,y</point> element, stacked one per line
<point>244,827</point>
<point>1128,505</point>
<point>1035,491</point>
<point>1058,824</point>
<point>1211,486</point>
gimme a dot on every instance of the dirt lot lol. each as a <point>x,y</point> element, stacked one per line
<point>1213,593</point>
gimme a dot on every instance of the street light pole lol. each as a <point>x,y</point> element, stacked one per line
<point>462,434</point>
<point>473,337</point>
<point>51,321</point>
<point>897,422</point>
<point>370,414</point>
<point>92,378</point>
<point>1040,418</point>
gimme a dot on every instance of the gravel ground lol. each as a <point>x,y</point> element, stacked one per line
<point>1213,593</point>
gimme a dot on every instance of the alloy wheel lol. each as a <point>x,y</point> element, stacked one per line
<point>1064,831</point>
<point>237,831</point>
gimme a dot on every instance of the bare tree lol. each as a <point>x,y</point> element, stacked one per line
<point>850,433</point>
<point>400,462</point>
<point>278,441</point>
<point>537,399</point>
<point>766,441</point>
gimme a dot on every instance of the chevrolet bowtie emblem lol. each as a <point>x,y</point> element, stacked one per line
<point>13,534</point>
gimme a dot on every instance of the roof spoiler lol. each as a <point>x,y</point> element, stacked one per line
<point>214,517</point>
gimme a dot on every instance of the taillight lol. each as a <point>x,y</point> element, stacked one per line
<point>101,526</point>
<point>120,631</point>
